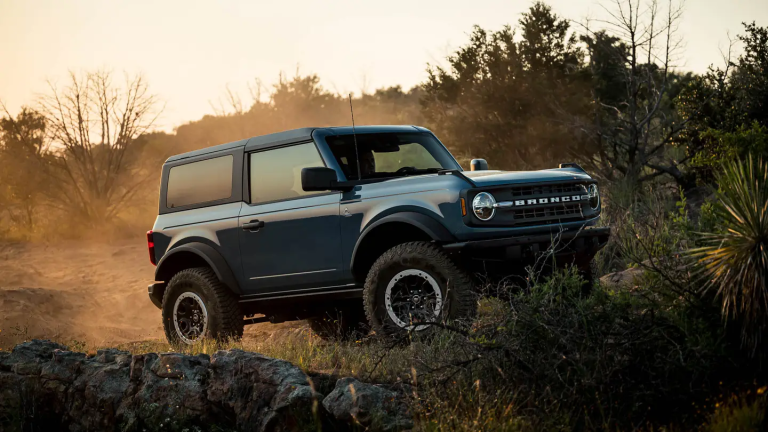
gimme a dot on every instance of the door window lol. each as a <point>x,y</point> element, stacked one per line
<point>276,174</point>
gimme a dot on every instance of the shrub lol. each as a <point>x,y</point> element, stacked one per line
<point>735,258</point>
<point>739,414</point>
<point>555,359</point>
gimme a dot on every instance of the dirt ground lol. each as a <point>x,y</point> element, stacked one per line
<point>80,291</point>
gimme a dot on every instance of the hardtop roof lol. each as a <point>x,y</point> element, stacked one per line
<point>293,135</point>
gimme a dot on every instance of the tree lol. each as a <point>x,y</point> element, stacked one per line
<point>728,107</point>
<point>300,101</point>
<point>23,157</point>
<point>500,98</point>
<point>636,123</point>
<point>94,125</point>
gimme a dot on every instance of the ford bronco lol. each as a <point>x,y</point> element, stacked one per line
<point>343,226</point>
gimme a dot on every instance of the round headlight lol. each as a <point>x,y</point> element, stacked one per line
<point>482,205</point>
<point>594,196</point>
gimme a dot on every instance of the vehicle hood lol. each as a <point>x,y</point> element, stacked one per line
<point>494,178</point>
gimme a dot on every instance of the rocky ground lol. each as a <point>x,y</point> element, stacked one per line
<point>44,386</point>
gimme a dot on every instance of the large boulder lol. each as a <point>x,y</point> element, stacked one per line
<point>44,386</point>
<point>626,279</point>
<point>370,406</point>
<point>273,394</point>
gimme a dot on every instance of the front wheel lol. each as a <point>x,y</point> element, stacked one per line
<point>196,306</point>
<point>413,285</point>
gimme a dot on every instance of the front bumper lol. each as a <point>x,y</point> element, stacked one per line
<point>586,241</point>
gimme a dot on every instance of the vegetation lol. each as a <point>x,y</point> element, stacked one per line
<point>677,346</point>
<point>736,257</point>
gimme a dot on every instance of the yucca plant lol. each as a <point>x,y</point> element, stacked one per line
<point>735,259</point>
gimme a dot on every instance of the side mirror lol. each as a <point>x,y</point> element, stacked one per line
<point>478,165</point>
<point>321,179</point>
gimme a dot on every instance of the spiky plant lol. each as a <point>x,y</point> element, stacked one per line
<point>735,259</point>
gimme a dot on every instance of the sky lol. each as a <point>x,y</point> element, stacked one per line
<point>192,51</point>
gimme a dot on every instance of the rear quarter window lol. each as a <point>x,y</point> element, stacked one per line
<point>200,182</point>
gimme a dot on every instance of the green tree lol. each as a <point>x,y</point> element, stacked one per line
<point>728,107</point>
<point>500,98</point>
<point>23,158</point>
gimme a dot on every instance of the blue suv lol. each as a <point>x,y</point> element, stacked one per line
<point>348,228</point>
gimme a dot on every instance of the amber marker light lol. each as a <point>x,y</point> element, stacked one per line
<point>463,207</point>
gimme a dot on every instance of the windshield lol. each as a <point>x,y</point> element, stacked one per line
<point>390,154</point>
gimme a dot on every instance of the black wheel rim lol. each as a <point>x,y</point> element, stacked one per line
<point>413,297</point>
<point>190,318</point>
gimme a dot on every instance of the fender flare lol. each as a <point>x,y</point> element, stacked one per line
<point>427,224</point>
<point>211,256</point>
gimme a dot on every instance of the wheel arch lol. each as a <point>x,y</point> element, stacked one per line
<point>391,230</point>
<point>195,254</point>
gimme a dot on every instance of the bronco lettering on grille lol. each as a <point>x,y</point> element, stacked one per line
<point>550,200</point>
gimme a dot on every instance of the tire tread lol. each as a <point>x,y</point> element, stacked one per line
<point>224,306</point>
<point>463,297</point>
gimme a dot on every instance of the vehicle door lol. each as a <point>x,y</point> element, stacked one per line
<point>289,238</point>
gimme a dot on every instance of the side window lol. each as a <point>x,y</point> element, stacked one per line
<point>200,182</point>
<point>276,174</point>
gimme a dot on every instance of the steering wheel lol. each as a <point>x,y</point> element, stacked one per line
<point>405,169</point>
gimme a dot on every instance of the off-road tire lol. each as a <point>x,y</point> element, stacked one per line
<point>460,302</point>
<point>225,317</point>
<point>341,323</point>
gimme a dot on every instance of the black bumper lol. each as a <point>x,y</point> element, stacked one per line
<point>155,292</point>
<point>580,242</point>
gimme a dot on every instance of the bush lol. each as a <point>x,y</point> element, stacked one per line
<point>739,414</point>
<point>735,258</point>
<point>554,359</point>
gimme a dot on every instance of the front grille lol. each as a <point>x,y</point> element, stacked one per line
<point>564,210</point>
<point>529,191</point>
<point>548,213</point>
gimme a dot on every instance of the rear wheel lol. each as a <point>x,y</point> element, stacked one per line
<point>413,285</point>
<point>197,306</point>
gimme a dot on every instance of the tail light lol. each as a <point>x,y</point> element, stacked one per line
<point>151,247</point>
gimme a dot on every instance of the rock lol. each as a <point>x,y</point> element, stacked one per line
<point>278,394</point>
<point>370,406</point>
<point>626,279</point>
<point>44,386</point>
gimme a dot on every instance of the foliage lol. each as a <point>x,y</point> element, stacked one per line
<point>719,146</point>
<point>634,121</point>
<point>736,258</point>
<point>499,97</point>
<point>726,108</point>
<point>610,360</point>
<point>745,413</point>
<point>23,146</point>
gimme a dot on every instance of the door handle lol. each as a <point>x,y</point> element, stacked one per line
<point>253,225</point>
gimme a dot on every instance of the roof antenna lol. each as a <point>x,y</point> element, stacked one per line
<point>354,137</point>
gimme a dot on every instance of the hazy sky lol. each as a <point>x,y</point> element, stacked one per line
<point>191,50</point>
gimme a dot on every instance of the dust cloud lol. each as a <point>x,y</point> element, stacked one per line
<point>77,291</point>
